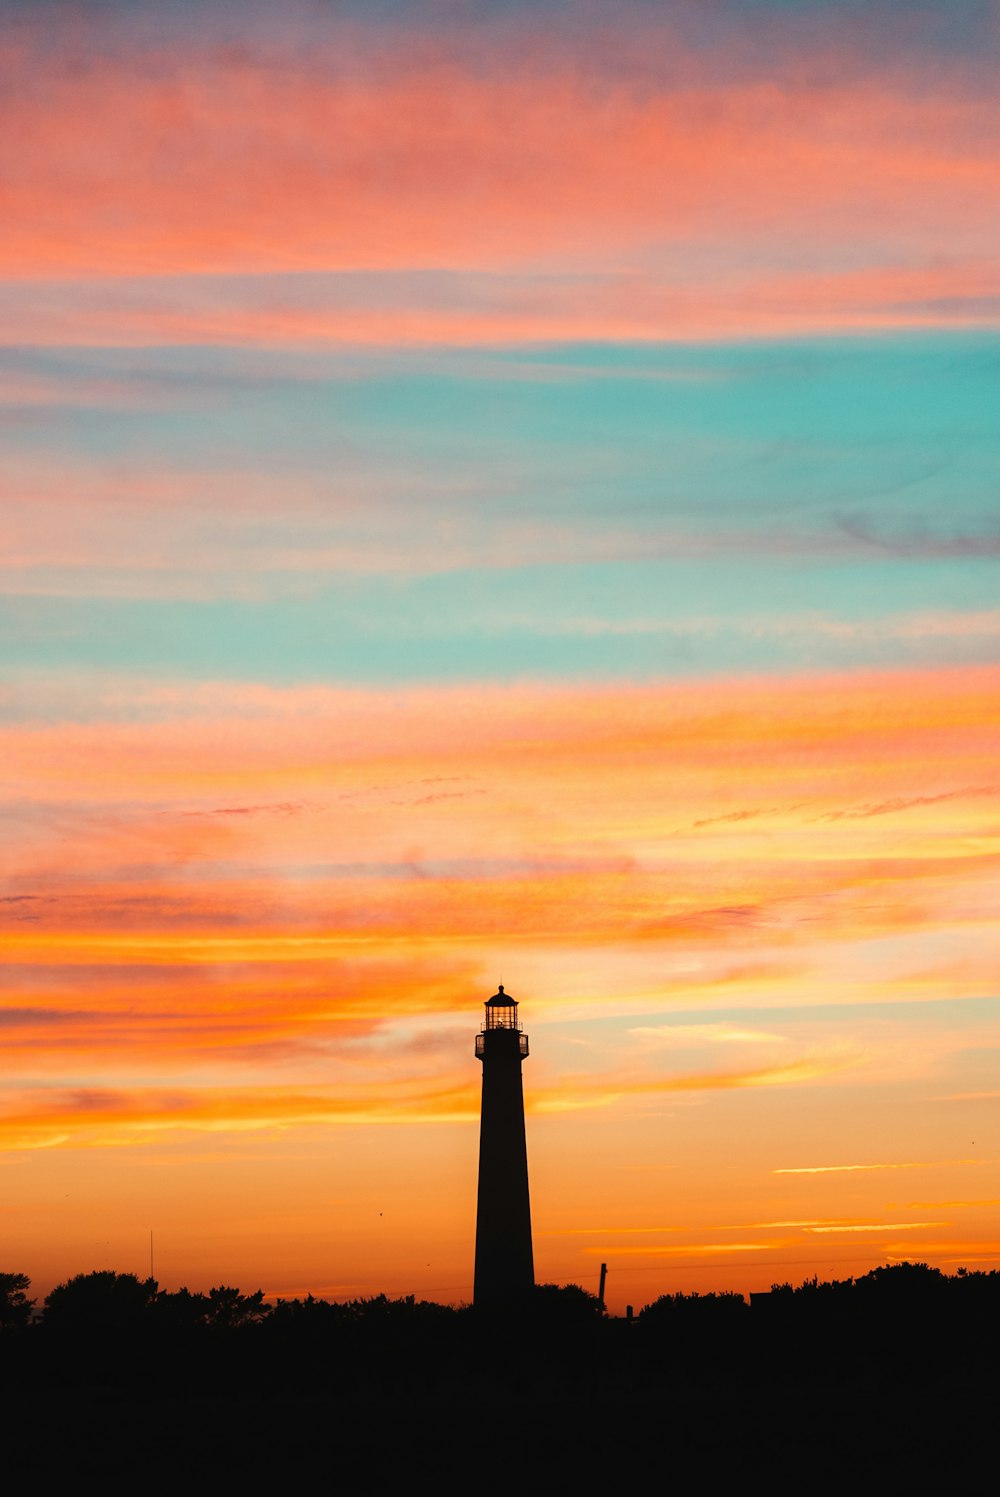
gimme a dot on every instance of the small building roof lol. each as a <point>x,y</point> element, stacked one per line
<point>501,999</point>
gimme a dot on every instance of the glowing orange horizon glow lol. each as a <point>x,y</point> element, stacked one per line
<point>197,965</point>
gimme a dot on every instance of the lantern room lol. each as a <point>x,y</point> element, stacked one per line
<point>501,1013</point>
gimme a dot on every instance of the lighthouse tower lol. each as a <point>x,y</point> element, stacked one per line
<point>505,1271</point>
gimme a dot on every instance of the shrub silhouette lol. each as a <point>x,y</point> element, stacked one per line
<point>228,1310</point>
<point>895,1283</point>
<point>179,1312</point>
<point>560,1306</point>
<point>101,1301</point>
<point>15,1306</point>
<point>695,1309</point>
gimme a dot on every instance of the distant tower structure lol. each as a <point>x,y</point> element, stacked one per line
<point>505,1270</point>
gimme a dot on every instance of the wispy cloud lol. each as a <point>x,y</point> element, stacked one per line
<point>877,1227</point>
<point>906,803</point>
<point>836,1169</point>
<point>573,1094</point>
<point>103,1117</point>
<point>280,808</point>
<point>769,1226</point>
<point>926,543</point>
<point>988,1201</point>
<point>683,1035</point>
<point>691,1250</point>
<point>609,1231</point>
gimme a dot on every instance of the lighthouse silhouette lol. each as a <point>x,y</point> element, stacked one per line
<point>505,1270</point>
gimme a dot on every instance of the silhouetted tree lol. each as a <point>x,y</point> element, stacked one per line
<point>100,1301</point>
<point>15,1306</point>
<point>406,1309</point>
<point>179,1311</point>
<point>309,1311</point>
<point>895,1281</point>
<point>559,1306</point>
<point>227,1309</point>
<point>700,1309</point>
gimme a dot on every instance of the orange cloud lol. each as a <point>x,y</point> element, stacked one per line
<point>96,1117</point>
<point>113,1115</point>
<point>231,884</point>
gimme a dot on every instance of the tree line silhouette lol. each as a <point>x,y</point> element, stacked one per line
<point>113,1326</point>
<point>864,1384</point>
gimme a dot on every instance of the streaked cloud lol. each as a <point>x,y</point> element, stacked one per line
<point>691,1250</point>
<point>835,1169</point>
<point>501,152</point>
<point>989,1201</point>
<point>609,1231</point>
<point>769,1226</point>
<point>478,310</point>
<point>902,803</point>
<point>104,1118</point>
<point>878,1227</point>
<point>712,1034</point>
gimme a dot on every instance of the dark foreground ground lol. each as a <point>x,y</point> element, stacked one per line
<point>801,1435</point>
<point>888,1384</point>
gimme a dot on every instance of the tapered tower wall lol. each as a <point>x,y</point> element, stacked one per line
<point>505,1270</point>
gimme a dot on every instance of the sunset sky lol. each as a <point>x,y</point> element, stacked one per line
<point>499,492</point>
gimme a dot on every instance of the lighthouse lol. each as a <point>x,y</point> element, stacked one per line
<point>505,1271</point>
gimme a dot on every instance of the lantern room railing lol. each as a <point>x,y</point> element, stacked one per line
<point>522,1039</point>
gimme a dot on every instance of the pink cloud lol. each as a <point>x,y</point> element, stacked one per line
<point>181,162</point>
<point>694,303</point>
